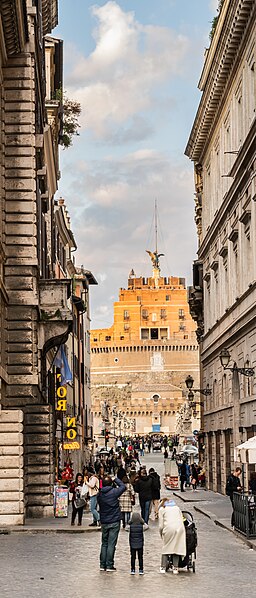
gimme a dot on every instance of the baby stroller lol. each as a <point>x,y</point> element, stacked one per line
<point>189,560</point>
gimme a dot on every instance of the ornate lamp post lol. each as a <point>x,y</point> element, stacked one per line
<point>225,359</point>
<point>189,384</point>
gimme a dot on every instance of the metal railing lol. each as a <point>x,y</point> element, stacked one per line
<point>245,513</point>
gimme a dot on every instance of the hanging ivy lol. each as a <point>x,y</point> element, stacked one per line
<point>215,19</point>
<point>70,121</point>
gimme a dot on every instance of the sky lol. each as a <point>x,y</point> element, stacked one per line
<point>134,67</point>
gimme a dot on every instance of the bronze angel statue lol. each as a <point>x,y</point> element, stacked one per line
<point>155,257</point>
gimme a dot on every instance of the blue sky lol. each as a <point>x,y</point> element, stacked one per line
<point>134,67</point>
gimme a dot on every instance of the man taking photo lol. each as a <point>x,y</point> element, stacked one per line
<point>110,517</point>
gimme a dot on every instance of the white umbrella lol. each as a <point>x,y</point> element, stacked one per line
<point>190,449</point>
<point>246,452</point>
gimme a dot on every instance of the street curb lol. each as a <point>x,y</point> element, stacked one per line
<point>219,523</point>
<point>205,513</point>
<point>46,530</point>
<point>189,500</point>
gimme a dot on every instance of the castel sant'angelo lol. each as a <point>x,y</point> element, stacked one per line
<point>139,365</point>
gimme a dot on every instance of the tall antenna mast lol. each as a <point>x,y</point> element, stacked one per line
<point>156,222</point>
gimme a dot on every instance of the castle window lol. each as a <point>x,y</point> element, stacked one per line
<point>163,333</point>
<point>144,334</point>
<point>107,338</point>
<point>181,314</point>
<point>144,314</point>
<point>163,314</point>
<point>154,333</point>
<point>126,315</point>
<point>167,297</point>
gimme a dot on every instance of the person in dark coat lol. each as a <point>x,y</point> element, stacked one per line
<point>252,483</point>
<point>143,486</point>
<point>183,475</point>
<point>194,476</point>
<point>155,490</point>
<point>233,485</point>
<point>136,541</point>
<point>76,491</point>
<point>110,517</point>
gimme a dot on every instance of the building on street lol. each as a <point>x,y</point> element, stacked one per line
<point>139,365</point>
<point>44,297</point>
<point>222,145</point>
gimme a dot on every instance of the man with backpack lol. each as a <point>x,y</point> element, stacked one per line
<point>233,485</point>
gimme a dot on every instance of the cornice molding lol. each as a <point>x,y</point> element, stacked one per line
<point>242,177</point>
<point>65,233</point>
<point>49,15</point>
<point>219,68</point>
<point>14,23</point>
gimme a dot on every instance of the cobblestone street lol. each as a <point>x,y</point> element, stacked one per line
<point>49,565</point>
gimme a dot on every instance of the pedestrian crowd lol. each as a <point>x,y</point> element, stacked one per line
<point>190,475</point>
<point>110,488</point>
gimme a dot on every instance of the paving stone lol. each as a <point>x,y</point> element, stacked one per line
<point>45,566</point>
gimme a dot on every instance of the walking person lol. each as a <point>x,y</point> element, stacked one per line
<point>143,486</point>
<point>126,501</point>
<point>110,517</point>
<point>173,534</point>
<point>78,502</point>
<point>92,483</point>
<point>156,487</point>
<point>136,541</point>
<point>233,485</point>
<point>194,476</point>
<point>183,475</point>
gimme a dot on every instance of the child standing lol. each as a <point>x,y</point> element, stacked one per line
<point>136,540</point>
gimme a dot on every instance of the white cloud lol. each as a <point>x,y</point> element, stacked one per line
<point>116,81</point>
<point>113,228</point>
<point>214,5</point>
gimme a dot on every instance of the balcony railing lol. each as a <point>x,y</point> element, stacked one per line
<point>245,513</point>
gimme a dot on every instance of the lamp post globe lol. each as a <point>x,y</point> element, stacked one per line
<point>224,357</point>
<point>190,396</point>
<point>189,382</point>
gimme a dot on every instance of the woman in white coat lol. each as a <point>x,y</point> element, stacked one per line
<point>173,534</point>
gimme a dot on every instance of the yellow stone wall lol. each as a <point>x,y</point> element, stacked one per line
<point>128,368</point>
<point>143,305</point>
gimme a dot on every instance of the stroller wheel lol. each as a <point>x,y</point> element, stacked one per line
<point>194,567</point>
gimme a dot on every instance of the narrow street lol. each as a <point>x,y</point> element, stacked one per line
<point>47,565</point>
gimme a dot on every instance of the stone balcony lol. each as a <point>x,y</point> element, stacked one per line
<point>56,319</point>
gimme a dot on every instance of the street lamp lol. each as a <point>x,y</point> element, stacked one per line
<point>225,359</point>
<point>114,417</point>
<point>189,384</point>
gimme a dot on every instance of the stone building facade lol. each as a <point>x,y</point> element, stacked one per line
<point>222,145</point>
<point>76,349</point>
<point>36,288</point>
<point>139,365</point>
